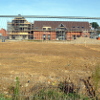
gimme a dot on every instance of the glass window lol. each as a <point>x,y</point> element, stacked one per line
<point>49,29</point>
<point>44,29</point>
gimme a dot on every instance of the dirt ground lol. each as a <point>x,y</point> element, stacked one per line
<point>40,62</point>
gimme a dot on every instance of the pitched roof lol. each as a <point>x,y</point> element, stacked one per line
<point>66,24</point>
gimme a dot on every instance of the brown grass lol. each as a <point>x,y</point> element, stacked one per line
<point>45,62</point>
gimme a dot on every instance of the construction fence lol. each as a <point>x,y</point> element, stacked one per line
<point>52,28</point>
<point>49,58</point>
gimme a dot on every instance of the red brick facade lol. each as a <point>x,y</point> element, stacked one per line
<point>74,35</point>
<point>44,35</point>
<point>60,30</point>
<point>53,36</point>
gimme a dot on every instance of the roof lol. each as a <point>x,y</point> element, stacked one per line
<point>66,24</point>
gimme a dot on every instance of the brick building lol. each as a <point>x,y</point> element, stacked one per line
<point>60,30</point>
<point>20,28</point>
<point>3,33</point>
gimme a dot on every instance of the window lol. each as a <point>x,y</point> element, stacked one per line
<point>73,26</point>
<point>49,29</point>
<point>24,36</point>
<point>44,36</point>
<point>44,29</point>
<point>78,35</point>
<point>82,27</point>
<point>49,36</point>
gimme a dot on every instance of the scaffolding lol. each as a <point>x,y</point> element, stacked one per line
<point>19,28</point>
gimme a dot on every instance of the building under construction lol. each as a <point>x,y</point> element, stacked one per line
<point>60,30</point>
<point>20,28</point>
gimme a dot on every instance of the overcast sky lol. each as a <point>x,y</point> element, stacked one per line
<point>90,8</point>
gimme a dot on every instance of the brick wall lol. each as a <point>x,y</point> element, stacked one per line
<point>69,36</point>
<point>74,35</point>
<point>3,32</point>
<point>46,35</point>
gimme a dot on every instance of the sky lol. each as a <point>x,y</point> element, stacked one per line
<point>84,8</point>
<point>89,8</point>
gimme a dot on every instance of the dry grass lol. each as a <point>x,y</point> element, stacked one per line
<point>45,62</point>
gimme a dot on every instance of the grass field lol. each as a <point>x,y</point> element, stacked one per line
<point>40,62</point>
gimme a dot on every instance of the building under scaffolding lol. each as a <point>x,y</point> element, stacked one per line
<point>20,28</point>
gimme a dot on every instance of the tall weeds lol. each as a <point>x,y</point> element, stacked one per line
<point>96,79</point>
<point>16,94</point>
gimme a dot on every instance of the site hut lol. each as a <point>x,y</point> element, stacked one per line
<point>60,30</point>
<point>20,28</point>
